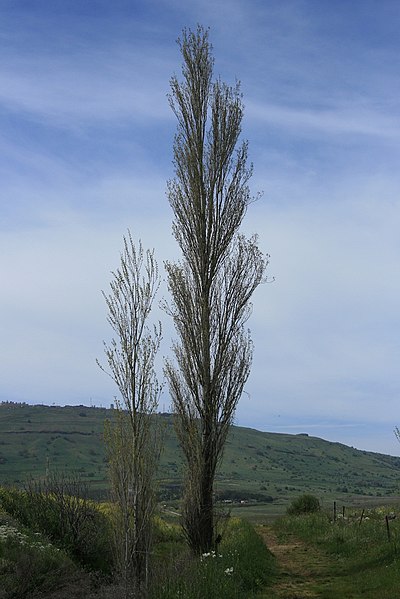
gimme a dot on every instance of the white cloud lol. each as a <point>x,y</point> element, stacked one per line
<point>83,157</point>
<point>325,331</point>
<point>335,121</point>
<point>78,90</point>
<point>52,311</point>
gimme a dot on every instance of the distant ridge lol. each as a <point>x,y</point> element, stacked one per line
<point>257,465</point>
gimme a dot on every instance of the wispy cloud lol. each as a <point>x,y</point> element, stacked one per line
<point>85,152</point>
<point>334,122</point>
<point>61,91</point>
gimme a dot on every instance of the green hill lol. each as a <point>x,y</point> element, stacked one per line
<point>257,466</point>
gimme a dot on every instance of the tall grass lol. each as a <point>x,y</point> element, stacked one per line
<point>71,523</point>
<point>241,565</point>
<point>36,561</point>
<point>31,566</point>
<point>362,561</point>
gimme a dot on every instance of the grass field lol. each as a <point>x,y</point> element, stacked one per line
<point>355,556</point>
<point>352,557</point>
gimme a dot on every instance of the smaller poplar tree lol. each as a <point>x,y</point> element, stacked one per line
<point>133,449</point>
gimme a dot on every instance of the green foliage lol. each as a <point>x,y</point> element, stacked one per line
<point>289,464</point>
<point>309,527</point>
<point>363,562</point>
<point>240,565</point>
<point>68,522</point>
<point>253,561</point>
<point>31,566</point>
<point>163,531</point>
<point>305,504</point>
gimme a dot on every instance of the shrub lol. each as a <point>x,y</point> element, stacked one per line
<point>58,510</point>
<point>305,504</point>
<point>31,567</point>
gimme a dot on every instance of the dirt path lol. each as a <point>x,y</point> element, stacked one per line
<point>302,569</point>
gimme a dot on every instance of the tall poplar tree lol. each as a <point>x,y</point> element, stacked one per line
<point>212,285</point>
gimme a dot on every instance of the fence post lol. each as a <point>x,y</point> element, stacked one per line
<point>387,528</point>
<point>334,511</point>
<point>362,516</point>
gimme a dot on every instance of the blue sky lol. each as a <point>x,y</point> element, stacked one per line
<point>85,153</point>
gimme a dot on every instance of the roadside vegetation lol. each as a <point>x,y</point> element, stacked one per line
<point>237,569</point>
<point>309,553</point>
<point>40,556</point>
<point>356,556</point>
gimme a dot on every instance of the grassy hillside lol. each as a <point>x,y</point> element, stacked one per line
<point>256,465</point>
